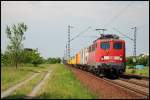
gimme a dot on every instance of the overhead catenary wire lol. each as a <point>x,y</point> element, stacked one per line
<point>80,33</point>
<point>118,14</point>
<point>123,34</point>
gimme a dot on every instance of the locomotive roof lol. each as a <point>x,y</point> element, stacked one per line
<point>107,40</point>
<point>108,37</point>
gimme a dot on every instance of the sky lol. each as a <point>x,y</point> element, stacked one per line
<point>48,22</point>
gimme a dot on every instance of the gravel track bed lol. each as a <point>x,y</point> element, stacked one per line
<point>140,82</point>
<point>103,89</point>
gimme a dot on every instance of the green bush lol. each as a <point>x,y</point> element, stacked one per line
<point>53,60</point>
<point>140,60</point>
<point>25,56</point>
<point>6,59</point>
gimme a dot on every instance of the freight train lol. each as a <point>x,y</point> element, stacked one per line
<point>105,56</point>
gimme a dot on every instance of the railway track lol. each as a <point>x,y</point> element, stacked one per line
<point>138,89</point>
<point>140,83</point>
<point>132,86</point>
<point>134,76</point>
<point>126,83</point>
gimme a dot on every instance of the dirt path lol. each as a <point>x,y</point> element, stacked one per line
<point>37,87</point>
<point>13,88</point>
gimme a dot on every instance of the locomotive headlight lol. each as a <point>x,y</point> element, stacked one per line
<point>106,57</point>
<point>101,58</point>
<point>117,58</point>
<point>121,58</point>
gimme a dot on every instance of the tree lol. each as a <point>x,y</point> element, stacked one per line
<point>143,60</point>
<point>58,60</point>
<point>129,61</point>
<point>16,35</point>
<point>53,60</point>
<point>31,56</point>
<point>36,59</point>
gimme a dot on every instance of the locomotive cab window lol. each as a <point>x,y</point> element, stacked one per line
<point>105,45</point>
<point>117,45</point>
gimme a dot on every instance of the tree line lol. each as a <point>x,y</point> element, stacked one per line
<point>26,57</point>
<point>16,54</point>
<point>140,60</point>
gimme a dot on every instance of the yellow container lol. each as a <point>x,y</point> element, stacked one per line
<point>78,58</point>
<point>68,62</point>
<point>71,61</point>
<point>74,60</point>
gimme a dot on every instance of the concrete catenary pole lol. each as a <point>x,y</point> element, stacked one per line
<point>134,52</point>
<point>69,41</point>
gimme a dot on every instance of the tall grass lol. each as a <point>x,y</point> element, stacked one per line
<point>27,88</point>
<point>144,71</point>
<point>11,76</point>
<point>62,84</point>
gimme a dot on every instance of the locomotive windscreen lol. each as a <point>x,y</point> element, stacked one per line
<point>117,45</point>
<point>105,45</point>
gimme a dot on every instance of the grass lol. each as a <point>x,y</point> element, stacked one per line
<point>27,88</point>
<point>11,76</point>
<point>143,72</point>
<point>62,84</point>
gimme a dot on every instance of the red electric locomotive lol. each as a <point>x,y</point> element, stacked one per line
<point>107,55</point>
